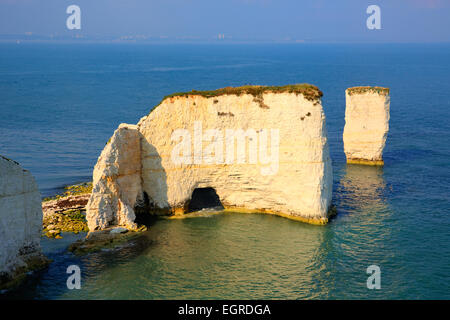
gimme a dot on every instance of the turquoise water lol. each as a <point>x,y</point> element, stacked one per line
<point>60,103</point>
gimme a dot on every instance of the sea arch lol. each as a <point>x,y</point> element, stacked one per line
<point>137,169</point>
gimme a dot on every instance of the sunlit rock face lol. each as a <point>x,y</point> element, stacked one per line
<point>20,221</point>
<point>262,149</point>
<point>116,181</point>
<point>366,124</point>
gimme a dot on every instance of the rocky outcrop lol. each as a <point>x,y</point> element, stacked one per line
<point>262,149</point>
<point>116,181</point>
<point>366,124</point>
<point>66,212</point>
<point>20,222</point>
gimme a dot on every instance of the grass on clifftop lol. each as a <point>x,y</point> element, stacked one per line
<point>309,91</point>
<point>361,90</point>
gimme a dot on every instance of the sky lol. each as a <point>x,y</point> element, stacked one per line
<point>237,20</point>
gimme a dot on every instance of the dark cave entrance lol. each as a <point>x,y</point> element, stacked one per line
<point>204,198</point>
<point>142,211</point>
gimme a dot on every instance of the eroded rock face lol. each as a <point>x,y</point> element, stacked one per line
<point>366,124</point>
<point>116,181</point>
<point>20,221</point>
<point>192,141</point>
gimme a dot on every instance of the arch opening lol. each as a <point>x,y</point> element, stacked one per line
<point>204,198</point>
<point>142,211</point>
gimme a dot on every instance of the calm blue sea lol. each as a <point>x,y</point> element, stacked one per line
<point>59,104</point>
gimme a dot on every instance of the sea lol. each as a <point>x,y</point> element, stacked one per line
<point>60,103</point>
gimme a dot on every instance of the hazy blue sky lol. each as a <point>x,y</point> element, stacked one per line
<point>311,20</point>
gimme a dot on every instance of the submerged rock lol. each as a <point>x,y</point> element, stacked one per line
<point>261,149</point>
<point>20,224</point>
<point>104,240</point>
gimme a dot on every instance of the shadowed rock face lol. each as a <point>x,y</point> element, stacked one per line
<point>20,222</point>
<point>264,153</point>
<point>366,124</point>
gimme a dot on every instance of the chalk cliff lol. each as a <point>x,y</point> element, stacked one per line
<point>116,181</point>
<point>262,149</point>
<point>366,124</point>
<point>20,222</point>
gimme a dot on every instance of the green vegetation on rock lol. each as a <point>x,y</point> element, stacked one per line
<point>66,212</point>
<point>361,90</point>
<point>32,263</point>
<point>77,189</point>
<point>67,221</point>
<point>309,91</point>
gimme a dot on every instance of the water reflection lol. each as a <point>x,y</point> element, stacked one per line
<point>230,255</point>
<point>250,256</point>
<point>357,238</point>
<point>362,188</point>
